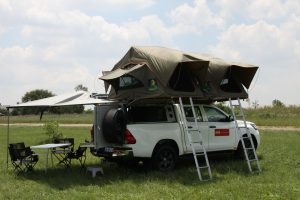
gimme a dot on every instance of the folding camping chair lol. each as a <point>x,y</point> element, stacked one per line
<point>79,154</point>
<point>22,158</point>
<point>61,152</point>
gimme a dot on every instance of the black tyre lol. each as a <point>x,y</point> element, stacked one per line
<point>114,126</point>
<point>164,158</point>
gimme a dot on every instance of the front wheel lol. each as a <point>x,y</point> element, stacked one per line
<point>240,154</point>
<point>165,158</point>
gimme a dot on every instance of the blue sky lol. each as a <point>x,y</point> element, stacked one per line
<point>58,44</point>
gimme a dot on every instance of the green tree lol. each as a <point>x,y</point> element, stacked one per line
<point>277,103</point>
<point>80,87</point>
<point>36,94</point>
<point>223,107</point>
<point>32,96</point>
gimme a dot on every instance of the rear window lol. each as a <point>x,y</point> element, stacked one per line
<point>147,114</point>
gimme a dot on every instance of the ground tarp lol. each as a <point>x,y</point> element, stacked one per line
<point>157,72</point>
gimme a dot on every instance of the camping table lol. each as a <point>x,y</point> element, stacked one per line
<point>48,147</point>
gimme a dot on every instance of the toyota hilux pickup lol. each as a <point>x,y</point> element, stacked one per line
<point>154,132</point>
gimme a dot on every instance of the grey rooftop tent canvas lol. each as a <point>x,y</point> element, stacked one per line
<point>157,72</point>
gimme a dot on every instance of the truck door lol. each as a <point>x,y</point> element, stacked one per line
<point>221,131</point>
<point>193,129</point>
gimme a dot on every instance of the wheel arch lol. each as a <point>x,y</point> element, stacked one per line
<point>253,139</point>
<point>170,142</point>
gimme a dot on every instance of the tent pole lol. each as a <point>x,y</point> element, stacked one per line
<point>7,138</point>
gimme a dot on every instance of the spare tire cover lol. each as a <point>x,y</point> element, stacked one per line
<point>114,126</point>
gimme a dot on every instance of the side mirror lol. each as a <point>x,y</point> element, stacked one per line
<point>230,118</point>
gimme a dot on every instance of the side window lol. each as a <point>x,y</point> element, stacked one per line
<point>189,114</point>
<point>147,114</point>
<point>128,82</point>
<point>214,115</point>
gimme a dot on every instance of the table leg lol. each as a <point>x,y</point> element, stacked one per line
<point>46,165</point>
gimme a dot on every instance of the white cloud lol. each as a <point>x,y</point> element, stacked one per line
<point>267,10</point>
<point>196,17</point>
<point>271,47</point>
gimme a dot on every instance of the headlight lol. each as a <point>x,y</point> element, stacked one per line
<point>254,126</point>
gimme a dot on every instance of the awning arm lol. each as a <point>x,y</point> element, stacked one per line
<point>7,137</point>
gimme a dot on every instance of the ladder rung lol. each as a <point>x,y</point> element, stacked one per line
<point>200,154</point>
<point>193,130</point>
<point>196,142</point>
<point>203,167</point>
<point>246,137</point>
<point>249,148</point>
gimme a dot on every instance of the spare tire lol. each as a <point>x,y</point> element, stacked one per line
<point>114,126</point>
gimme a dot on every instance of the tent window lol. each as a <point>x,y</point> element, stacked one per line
<point>181,79</point>
<point>230,85</point>
<point>128,82</point>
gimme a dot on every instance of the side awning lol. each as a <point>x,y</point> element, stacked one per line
<point>76,98</point>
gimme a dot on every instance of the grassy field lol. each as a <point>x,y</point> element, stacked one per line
<point>63,118</point>
<point>266,116</point>
<point>280,179</point>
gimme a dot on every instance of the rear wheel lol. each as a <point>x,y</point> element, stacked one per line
<point>165,158</point>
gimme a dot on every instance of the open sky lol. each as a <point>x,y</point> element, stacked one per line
<point>58,44</point>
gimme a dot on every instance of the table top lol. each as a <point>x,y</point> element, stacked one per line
<point>87,144</point>
<point>49,146</point>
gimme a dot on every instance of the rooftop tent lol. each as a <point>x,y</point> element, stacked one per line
<point>157,72</point>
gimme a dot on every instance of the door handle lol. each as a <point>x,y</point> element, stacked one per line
<point>212,127</point>
<point>190,127</point>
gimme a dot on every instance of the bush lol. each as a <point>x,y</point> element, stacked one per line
<point>52,130</point>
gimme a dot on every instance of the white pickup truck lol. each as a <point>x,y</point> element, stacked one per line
<point>154,132</point>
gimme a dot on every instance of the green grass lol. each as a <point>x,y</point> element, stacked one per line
<point>85,118</point>
<point>280,179</point>
<point>270,116</point>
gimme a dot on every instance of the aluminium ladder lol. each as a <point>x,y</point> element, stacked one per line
<point>197,154</point>
<point>249,149</point>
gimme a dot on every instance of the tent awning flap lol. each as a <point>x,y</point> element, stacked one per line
<point>120,72</point>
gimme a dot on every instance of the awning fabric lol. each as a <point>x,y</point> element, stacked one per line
<point>76,98</point>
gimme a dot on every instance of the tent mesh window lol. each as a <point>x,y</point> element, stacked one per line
<point>129,82</point>
<point>181,79</point>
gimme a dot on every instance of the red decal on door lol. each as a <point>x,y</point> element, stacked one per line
<point>221,132</point>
